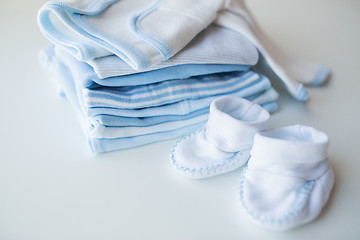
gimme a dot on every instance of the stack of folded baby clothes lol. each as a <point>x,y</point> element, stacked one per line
<point>140,71</point>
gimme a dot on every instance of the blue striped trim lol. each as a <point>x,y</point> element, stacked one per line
<point>258,84</point>
<point>249,91</point>
<point>99,145</point>
<point>131,91</point>
<point>172,94</point>
<point>169,87</point>
<point>140,89</point>
<point>117,121</point>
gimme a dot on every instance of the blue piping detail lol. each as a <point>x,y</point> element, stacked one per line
<point>95,8</point>
<point>296,208</point>
<point>74,19</point>
<point>134,23</point>
<point>230,164</point>
<point>130,54</point>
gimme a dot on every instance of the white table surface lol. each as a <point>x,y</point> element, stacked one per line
<point>52,187</point>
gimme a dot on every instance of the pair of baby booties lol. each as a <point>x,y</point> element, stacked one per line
<point>288,178</point>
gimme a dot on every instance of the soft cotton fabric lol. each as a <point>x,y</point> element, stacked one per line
<point>214,46</point>
<point>224,144</point>
<point>186,106</point>
<point>99,145</point>
<point>168,92</point>
<point>288,179</point>
<point>177,113</point>
<point>146,93</point>
<point>116,121</point>
<point>142,33</point>
<point>103,100</point>
<point>96,129</point>
<point>145,36</point>
<point>179,118</point>
<point>304,71</point>
<point>289,69</point>
<point>89,79</point>
<point>241,25</point>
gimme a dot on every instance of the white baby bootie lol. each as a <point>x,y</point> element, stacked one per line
<point>288,178</point>
<point>224,144</point>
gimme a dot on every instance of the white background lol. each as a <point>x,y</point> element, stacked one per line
<point>52,187</point>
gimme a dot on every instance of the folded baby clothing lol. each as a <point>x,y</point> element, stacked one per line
<point>157,94</point>
<point>288,178</point>
<point>106,120</point>
<point>134,122</point>
<point>140,96</point>
<point>207,53</point>
<point>171,91</point>
<point>138,70</point>
<point>304,71</point>
<point>213,47</point>
<point>225,143</point>
<point>145,33</point>
<point>141,32</point>
<point>266,98</point>
<point>143,71</point>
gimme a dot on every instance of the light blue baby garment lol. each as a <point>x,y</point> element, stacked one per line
<point>215,45</point>
<point>171,91</point>
<point>182,107</point>
<point>65,80</point>
<point>98,130</point>
<point>141,32</point>
<point>118,121</point>
<point>159,94</point>
<point>145,33</point>
<point>90,79</point>
<point>99,145</point>
<point>104,145</point>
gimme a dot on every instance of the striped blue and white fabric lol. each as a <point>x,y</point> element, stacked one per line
<point>247,83</point>
<point>149,125</point>
<point>148,34</point>
<point>125,123</point>
<point>181,108</point>
<point>131,87</point>
<point>171,91</point>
